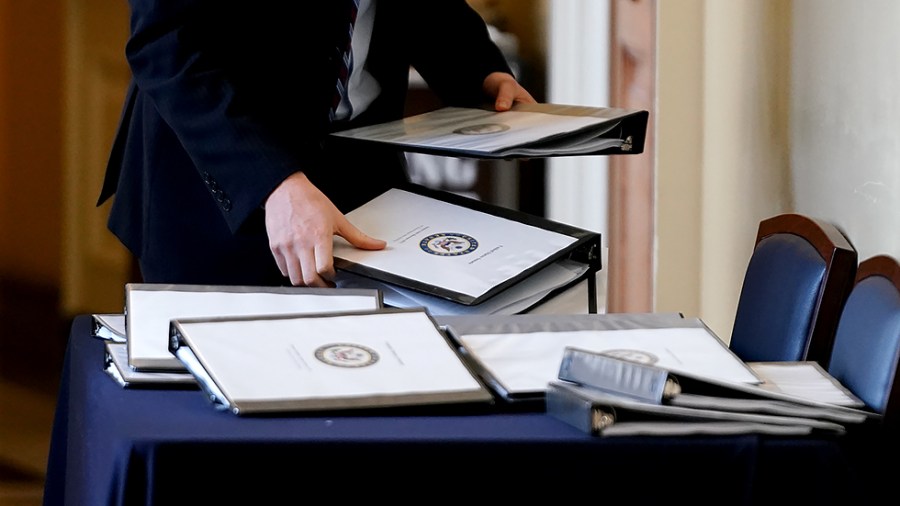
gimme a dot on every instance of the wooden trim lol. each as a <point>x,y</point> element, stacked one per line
<point>631,178</point>
<point>880,265</point>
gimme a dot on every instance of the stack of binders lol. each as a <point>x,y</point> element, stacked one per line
<point>110,327</point>
<point>460,256</point>
<point>606,395</point>
<point>137,341</point>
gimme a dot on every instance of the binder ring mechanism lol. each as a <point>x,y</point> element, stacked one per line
<point>605,417</point>
<point>671,388</point>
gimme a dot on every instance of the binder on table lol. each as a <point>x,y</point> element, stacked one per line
<point>457,255</point>
<point>525,131</point>
<point>149,307</point>
<point>599,413</point>
<point>109,326</point>
<point>517,355</point>
<point>116,366</point>
<point>652,385</point>
<point>385,358</point>
<point>806,379</point>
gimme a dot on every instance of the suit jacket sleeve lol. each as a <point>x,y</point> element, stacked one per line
<point>205,65</point>
<point>459,52</point>
<point>245,86</point>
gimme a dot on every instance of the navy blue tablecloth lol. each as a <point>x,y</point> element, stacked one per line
<point>112,445</point>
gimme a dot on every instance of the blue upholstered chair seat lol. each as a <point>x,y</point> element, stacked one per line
<point>784,278</point>
<point>866,359</point>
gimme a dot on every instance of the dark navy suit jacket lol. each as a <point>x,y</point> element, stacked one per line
<point>229,97</point>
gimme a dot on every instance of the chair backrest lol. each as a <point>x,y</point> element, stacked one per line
<point>797,281</point>
<point>866,352</point>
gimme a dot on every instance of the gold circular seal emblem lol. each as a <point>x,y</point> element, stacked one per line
<point>346,355</point>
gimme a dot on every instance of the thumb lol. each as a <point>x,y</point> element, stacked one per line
<point>505,97</point>
<point>358,238</point>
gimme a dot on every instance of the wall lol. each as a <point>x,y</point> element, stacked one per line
<point>793,107</point>
<point>722,158</point>
<point>30,140</point>
<point>845,118</point>
<point>679,169</point>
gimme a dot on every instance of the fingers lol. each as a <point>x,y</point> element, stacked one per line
<point>505,90</point>
<point>301,223</point>
<point>305,259</point>
<point>509,93</point>
<point>315,267</point>
<point>503,102</point>
<point>307,267</point>
<point>311,274</point>
<point>310,262</point>
<point>325,263</point>
<point>506,95</point>
<point>358,238</point>
<point>280,261</point>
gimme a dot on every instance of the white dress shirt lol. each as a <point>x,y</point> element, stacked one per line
<point>362,88</point>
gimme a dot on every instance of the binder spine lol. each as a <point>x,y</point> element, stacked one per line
<point>616,376</point>
<point>184,353</point>
<point>569,407</point>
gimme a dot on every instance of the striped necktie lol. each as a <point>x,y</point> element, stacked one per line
<point>345,66</point>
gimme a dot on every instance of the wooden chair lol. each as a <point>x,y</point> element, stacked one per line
<point>866,359</point>
<point>866,353</point>
<point>797,281</point>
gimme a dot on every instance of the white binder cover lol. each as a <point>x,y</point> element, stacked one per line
<point>441,244</point>
<point>387,358</point>
<point>149,308</point>
<point>522,364</point>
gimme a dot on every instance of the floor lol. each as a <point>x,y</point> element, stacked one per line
<point>31,350</point>
<point>25,421</point>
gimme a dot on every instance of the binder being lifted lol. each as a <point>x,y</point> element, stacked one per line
<point>457,255</point>
<point>525,131</point>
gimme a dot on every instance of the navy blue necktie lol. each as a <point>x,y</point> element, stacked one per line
<point>345,66</point>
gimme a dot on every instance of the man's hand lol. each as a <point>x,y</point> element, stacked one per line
<point>301,223</point>
<point>505,90</point>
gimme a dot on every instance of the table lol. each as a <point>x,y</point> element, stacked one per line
<point>139,446</point>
